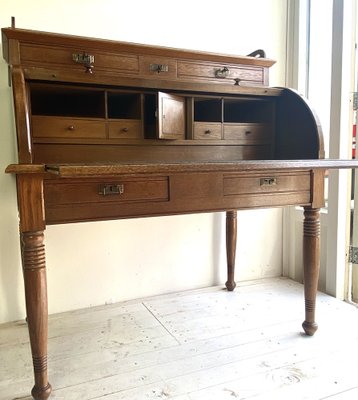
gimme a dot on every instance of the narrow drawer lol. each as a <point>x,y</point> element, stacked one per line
<point>158,67</point>
<point>207,130</point>
<point>64,127</point>
<point>126,129</point>
<point>63,57</point>
<point>248,132</point>
<point>220,73</point>
<point>269,183</point>
<point>116,190</point>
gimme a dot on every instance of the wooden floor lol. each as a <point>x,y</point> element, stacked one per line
<point>206,344</point>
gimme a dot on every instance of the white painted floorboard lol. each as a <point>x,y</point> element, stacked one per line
<point>206,344</point>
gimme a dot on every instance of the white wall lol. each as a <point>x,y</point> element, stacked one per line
<point>95,263</point>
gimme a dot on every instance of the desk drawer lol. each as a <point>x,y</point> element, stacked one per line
<point>126,129</point>
<point>220,73</point>
<point>248,132</point>
<point>207,130</point>
<point>116,190</point>
<point>64,127</point>
<point>269,183</point>
<point>63,58</point>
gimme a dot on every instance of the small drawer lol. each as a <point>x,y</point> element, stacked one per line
<point>126,129</point>
<point>220,73</point>
<point>64,127</point>
<point>248,132</point>
<point>207,130</point>
<point>269,183</point>
<point>64,58</point>
<point>158,67</point>
<point>116,190</point>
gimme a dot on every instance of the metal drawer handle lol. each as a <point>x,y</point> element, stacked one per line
<point>124,129</point>
<point>222,72</point>
<point>86,59</point>
<point>71,127</point>
<point>207,132</point>
<point>159,68</point>
<point>111,189</point>
<point>268,181</point>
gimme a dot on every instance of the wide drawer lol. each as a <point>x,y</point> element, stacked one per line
<point>221,73</point>
<point>126,129</point>
<point>116,190</point>
<point>207,130</point>
<point>64,57</point>
<point>64,127</point>
<point>248,132</point>
<point>272,182</point>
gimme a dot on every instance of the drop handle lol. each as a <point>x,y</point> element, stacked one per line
<point>87,60</point>
<point>106,190</point>
<point>222,72</point>
<point>268,181</point>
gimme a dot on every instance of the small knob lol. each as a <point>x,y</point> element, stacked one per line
<point>124,129</point>
<point>71,128</point>
<point>207,132</point>
<point>247,132</point>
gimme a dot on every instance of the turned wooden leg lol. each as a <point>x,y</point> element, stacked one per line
<point>33,253</point>
<point>311,264</point>
<point>32,226</point>
<point>231,235</point>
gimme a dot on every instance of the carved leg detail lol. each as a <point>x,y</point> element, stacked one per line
<point>33,253</point>
<point>231,235</point>
<point>311,261</point>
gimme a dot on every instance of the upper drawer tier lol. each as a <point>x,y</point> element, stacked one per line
<point>48,54</point>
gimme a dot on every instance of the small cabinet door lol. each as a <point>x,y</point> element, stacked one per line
<point>171,116</point>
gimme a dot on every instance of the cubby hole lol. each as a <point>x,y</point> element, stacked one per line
<point>58,100</point>
<point>243,110</point>
<point>207,110</point>
<point>124,105</point>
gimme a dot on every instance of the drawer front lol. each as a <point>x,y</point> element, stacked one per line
<point>219,73</point>
<point>63,127</point>
<point>63,57</point>
<point>207,130</point>
<point>268,183</point>
<point>126,129</point>
<point>158,67</point>
<point>116,190</point>
<point>248,132</point>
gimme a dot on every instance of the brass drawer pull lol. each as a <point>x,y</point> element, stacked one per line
<point>111,189</point>
<point>268,181</point>
<point>159,68</point>
<point>222,72</point>
<point>86,59</point>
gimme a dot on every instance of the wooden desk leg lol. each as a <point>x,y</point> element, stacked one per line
<point>231,236</point>
<point>32,226</point>
<point>33,252</point>
<point>311,264</point>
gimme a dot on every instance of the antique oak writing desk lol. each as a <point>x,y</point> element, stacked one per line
<point>109,130</point>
